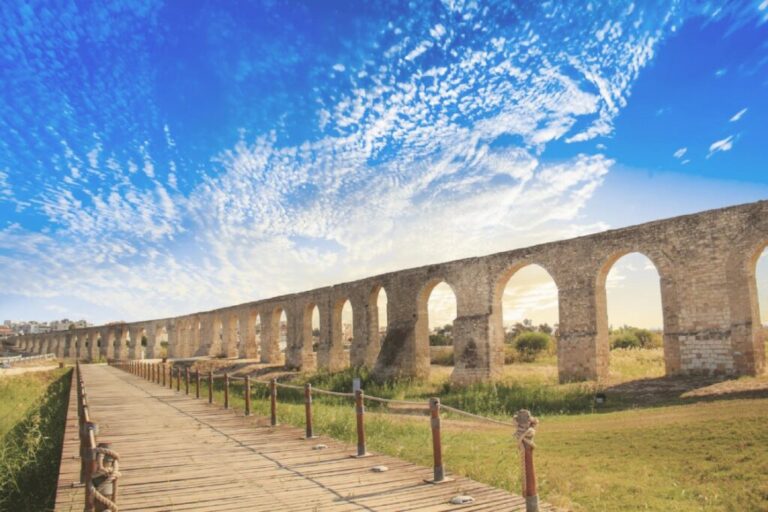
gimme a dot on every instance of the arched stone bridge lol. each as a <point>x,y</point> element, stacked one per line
<point>706,262</point>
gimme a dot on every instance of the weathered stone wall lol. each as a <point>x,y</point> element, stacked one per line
<point>706,263</point>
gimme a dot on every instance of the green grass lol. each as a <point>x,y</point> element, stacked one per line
<point>33,409</point>
<point>679,455</point>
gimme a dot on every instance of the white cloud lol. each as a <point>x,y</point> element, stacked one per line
<point>725,144</point>
<point>680,153</point>
<point>738,115</point>
<point>407,170</point>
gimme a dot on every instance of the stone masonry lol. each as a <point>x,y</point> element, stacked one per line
<point>706,263</point>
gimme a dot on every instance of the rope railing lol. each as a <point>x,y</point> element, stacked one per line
<point>524,424</point>
<point>99,464</point>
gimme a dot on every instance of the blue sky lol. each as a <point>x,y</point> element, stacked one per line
<point>158,158</point>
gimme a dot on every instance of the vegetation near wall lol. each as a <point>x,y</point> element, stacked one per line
<point>33,410</point>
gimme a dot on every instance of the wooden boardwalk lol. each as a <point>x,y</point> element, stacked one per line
<point>182,454</point>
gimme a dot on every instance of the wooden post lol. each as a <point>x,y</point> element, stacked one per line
<point>162,370</point>
<point>186,381</point>
<point>90,466</point>
<point>178,379</point>
<point>309,434</point>
<point>437,447</point>
<point>197,383</point>
<point>273,402</point>
<point>526,430</point>
<point>247,391</point>
<point>226,390</point>
<point>210,386</point>
<point>359,413</point>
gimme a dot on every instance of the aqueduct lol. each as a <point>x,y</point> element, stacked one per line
<point>706,263</point>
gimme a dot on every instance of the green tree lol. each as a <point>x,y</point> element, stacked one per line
<point>530,344</point>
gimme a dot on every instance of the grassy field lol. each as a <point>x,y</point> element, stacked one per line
<point>685,445</point>
<point>32,412</point>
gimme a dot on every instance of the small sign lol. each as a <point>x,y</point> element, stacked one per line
<point>355,385</point>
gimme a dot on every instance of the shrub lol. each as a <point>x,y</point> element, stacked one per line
<point>510,354</point>
<point>625,339</point>
<point>442,357</point>
<point>440,340</point>
<point>531,344</point>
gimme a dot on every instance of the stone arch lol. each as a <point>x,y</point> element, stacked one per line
<point>499,331</point>
<point>310,327</point>
<point>340,342</point>
<point>644,297</point>
<point>747,334</point>
<point>253,343</point>
<point>378,322</point>
<point>422,327</point>
<point>672,353</point>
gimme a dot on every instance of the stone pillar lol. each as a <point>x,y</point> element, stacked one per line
<point>270,335</point>
<point>173,338</point>
<point>400,355</point>
<point>363,319</point>
<point>246,323</point>
<point>229,334</point>
<point>294,338</point>
<point>134,349</point>
<point>330,353</point>
<point>121,338</point>
<point>76,342</point>
<point>582,348</point>
<point>206,335</point>
<point>92,351</point>
<point>107,348</point>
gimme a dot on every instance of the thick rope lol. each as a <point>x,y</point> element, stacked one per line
<point>393,401</point>
<point>477,416</point>
<point>333,393</point>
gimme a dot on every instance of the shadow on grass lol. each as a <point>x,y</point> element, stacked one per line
<point>676,390</point>
<point>30,453</point>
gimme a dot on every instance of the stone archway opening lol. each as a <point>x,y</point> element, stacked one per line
<point>315,327</point>
<point>377,324</point>
<point>761,297</point>
<point>255,350</point>
<point>282,342</point>
<point>635,318</point>
<point>529,319</point>
<point>441,311</point>
<point>347,329</point>
<point>161,342</point>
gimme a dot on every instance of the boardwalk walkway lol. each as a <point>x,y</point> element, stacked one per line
<point>182,454</point>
